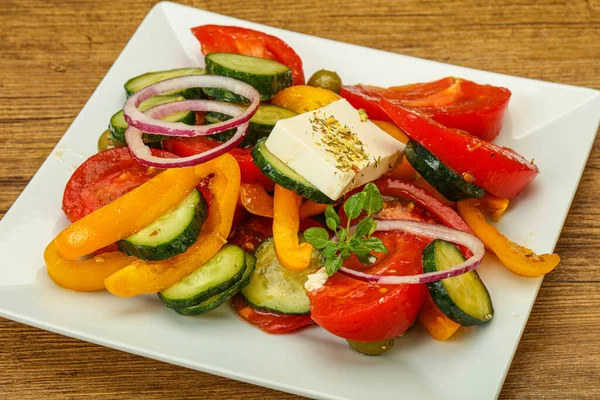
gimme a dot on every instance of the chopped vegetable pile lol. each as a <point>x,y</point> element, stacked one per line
<point>357,208</point>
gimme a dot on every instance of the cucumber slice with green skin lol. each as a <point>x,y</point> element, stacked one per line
<point>215,301</point>
<point>276,288</point>
<point>281,174</point>
<point>139,82</point>
<point>464,299</point>
<point>171,234</point>
<point>118,125</point>
<point>261,124</point>
<point>450,184</point>
<point>217,275</point>
<point>267,76</point>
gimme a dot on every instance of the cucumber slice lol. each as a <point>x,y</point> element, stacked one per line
<point>267,76</point>
<point>464,298</point>
<point>118,125</point>
<point>215,301</point>
<point>275,288</point>
<point>137,83</point>
<point>284,176</point>
<point>450,184</point>
<point>220,273</point>
<point>169,235</point>
<point>261,124</point>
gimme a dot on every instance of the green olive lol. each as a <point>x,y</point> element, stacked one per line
<point>372,348</point>
<point>106,142</point>
<point>327,80</point>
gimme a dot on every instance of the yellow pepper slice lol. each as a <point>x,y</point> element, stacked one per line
<point>286,223</point>
<point>519,259</point>
<point>257,201</point>
<point>304,98</point>
<point>154,276</point>
<point>128,214</point>
<point>83,276</point>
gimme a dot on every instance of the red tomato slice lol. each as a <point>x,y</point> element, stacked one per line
<point>424,208</point>
<point>499,170</point>
<point>252,233</point>
<point>105,177</point>
<point>256,230</point>
<point>233,39</point>
<point>454,102</point>
<point>184,147</point>
<point>362,96</point>
<point>267,321</point>
<point>368,312</point>
<point>440,212</point>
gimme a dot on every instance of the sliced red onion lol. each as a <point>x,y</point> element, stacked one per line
<point>142,153</point>
<point>149,124</point>
<point>431,231</point>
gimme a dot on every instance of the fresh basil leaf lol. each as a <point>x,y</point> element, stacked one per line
<point>375,244</point>
<point>332,264</point>
<point>331,218</point>
<point>364,227</point>
<point>366,259</point>
<point>342,234</point>
<point>354,205</point>
<point>345,254</point>
<point>373,200</point>
<point>318,237</point>
<point>329,250</point>
<point>363,251</point>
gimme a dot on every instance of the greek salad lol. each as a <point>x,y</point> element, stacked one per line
<point>360,209</point>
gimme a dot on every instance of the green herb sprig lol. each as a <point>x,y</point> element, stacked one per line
<point>358,242</point>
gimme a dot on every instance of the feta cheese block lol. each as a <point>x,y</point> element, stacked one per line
<point>335,148</point>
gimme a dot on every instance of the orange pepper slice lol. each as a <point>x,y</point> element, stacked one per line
<point>309,208</point>
<point>286,224</point>
<point>257,201</point>
<point>83,276</point>
<point>127,214</point>
<point>393,130</point>
<point>435,322</point>
<point>494,206</point>
<point>404,172</point>
<point>154,276</point>
<point>519,259</point>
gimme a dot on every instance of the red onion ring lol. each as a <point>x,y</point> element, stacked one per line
<point>146,123</point>
<point>133,136</point>
<point>431,231</point>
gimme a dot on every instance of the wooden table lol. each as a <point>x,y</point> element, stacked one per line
<point>54,53</point>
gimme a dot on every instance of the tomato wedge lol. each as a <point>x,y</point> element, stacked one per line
<point>105,177</point>
<point>410,203</point>
<point>453,102</point>
<point>184,147</point>
<point>499,170</point>
<point>233,39</point>
<point>268,321</point>
<point>368,312</point>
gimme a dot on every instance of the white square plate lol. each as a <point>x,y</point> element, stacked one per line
<point>555,124</point>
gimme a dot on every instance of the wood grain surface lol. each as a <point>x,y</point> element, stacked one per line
<point>53,54</point>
